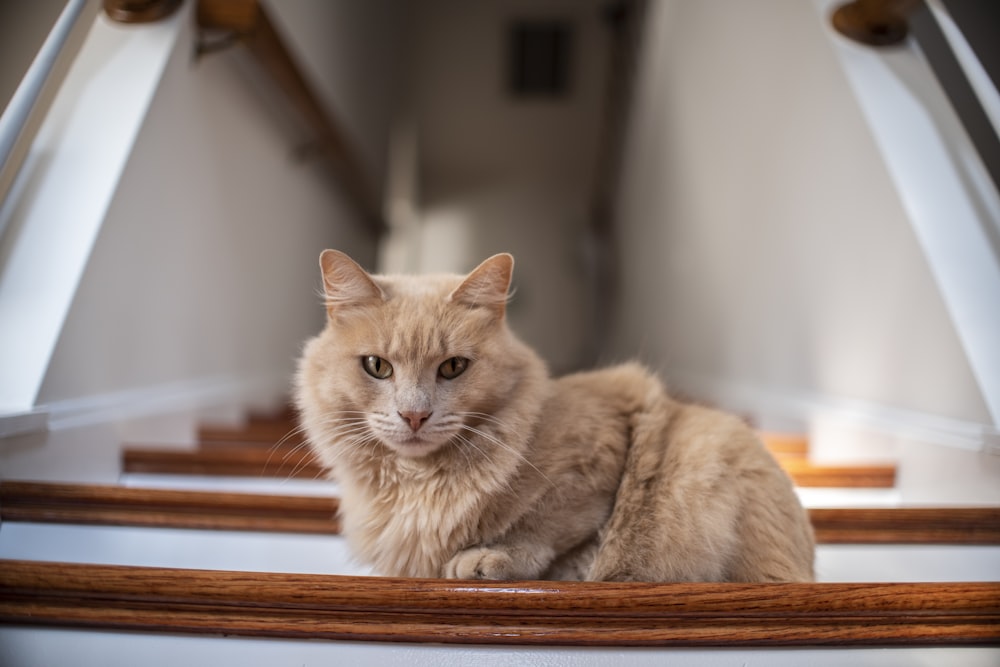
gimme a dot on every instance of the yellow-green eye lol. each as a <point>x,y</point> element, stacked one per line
<point>377,367</point>
<point>452,368</point>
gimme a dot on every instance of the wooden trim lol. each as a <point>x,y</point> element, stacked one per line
<point>165,508</point>
<point>785,445</point>
<point>140,11</point>
<point>249,21</point>
<point>452,611</point>
<point>285,431</point>
<point>276,433</point>
<point>907,525</point>
<point>116,505</point>
<point>224,461</point>
<point>298,462</point>
<point>806,474</point>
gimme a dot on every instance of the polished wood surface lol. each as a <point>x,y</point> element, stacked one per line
<point>165,508</point>
<point>294,461</point>
<point>907,525</point>
<point>785,445</point>
<point>116,505</point>
<point>262,432</point>
<point>454,611</point>
<point>807,474</point>
<point>284,463</point>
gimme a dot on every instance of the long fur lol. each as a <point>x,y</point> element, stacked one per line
<point>513,475</point>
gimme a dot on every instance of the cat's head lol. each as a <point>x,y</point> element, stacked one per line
<point>412,364</point>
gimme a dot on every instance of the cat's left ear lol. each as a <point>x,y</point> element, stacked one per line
<point>488,285</point>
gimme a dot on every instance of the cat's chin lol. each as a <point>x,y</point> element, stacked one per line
<point>414,447</point>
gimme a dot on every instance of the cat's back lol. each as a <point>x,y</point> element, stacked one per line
<point>588,414</point>
<point>606,397</point>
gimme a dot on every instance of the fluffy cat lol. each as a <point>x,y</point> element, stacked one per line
<point>457,456</point>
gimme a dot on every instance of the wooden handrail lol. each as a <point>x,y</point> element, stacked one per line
<point>874,22</point>
<point>140,11</point>
<point>248,22</point>
<point>453,611</point>
<point>165,508</point>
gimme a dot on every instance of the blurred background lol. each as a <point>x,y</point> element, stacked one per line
<point>782,221</point>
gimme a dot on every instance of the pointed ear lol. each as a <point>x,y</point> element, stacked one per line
<point>345,283</point>
<point>487,285</point>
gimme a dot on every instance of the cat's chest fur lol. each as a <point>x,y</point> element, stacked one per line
<point>409,524</point>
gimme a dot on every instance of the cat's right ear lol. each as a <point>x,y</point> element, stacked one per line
<point>345,283</point>
<point>488,285</point>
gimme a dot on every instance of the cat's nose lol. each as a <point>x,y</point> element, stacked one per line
<point>415,419</point>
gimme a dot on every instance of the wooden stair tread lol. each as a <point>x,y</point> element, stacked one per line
<point>785,445</point>
<point>281,462</point>
<point>165,508</point>
<point>116,505</point>
<point>298,462</point>
<point>261,432</point>
<point>870,476</point>
<point>540,613</point>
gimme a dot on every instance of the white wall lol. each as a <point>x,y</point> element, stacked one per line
<point>763,242</point>
<point>205,270</point>
<point>502,174</point>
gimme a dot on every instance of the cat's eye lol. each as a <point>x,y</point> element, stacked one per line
<point>452,368</point>
<point>377,367</point>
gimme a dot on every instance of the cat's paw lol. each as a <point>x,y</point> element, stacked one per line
<point>480,563</point>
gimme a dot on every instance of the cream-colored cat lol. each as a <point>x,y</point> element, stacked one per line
<point>458,456</point>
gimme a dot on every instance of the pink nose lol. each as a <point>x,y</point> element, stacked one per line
<point>415,419</point>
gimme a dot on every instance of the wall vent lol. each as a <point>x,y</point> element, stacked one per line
<point>539,61</point>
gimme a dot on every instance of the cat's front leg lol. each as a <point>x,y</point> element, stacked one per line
<point>497,562</point>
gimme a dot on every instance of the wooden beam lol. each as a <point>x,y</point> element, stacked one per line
<point>540,613</point>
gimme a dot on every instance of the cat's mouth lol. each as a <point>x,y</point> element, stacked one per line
<point>414,445</point>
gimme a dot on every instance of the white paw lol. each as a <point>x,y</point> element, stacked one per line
<point>480,563</point>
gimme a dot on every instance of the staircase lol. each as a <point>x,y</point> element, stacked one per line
<point>238,536</point>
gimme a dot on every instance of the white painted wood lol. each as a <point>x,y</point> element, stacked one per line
<point>941,183</point>
<point>37,647</point>
<point>62,193</point>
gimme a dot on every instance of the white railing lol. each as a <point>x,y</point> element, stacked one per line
<point>23,115</point>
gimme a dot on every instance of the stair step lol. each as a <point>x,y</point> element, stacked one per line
<point>280,462</point>
<point>163,508</point>
<point>298,462</point>
<point>117,505</point>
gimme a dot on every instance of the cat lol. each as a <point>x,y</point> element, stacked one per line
<point>457,456</point>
